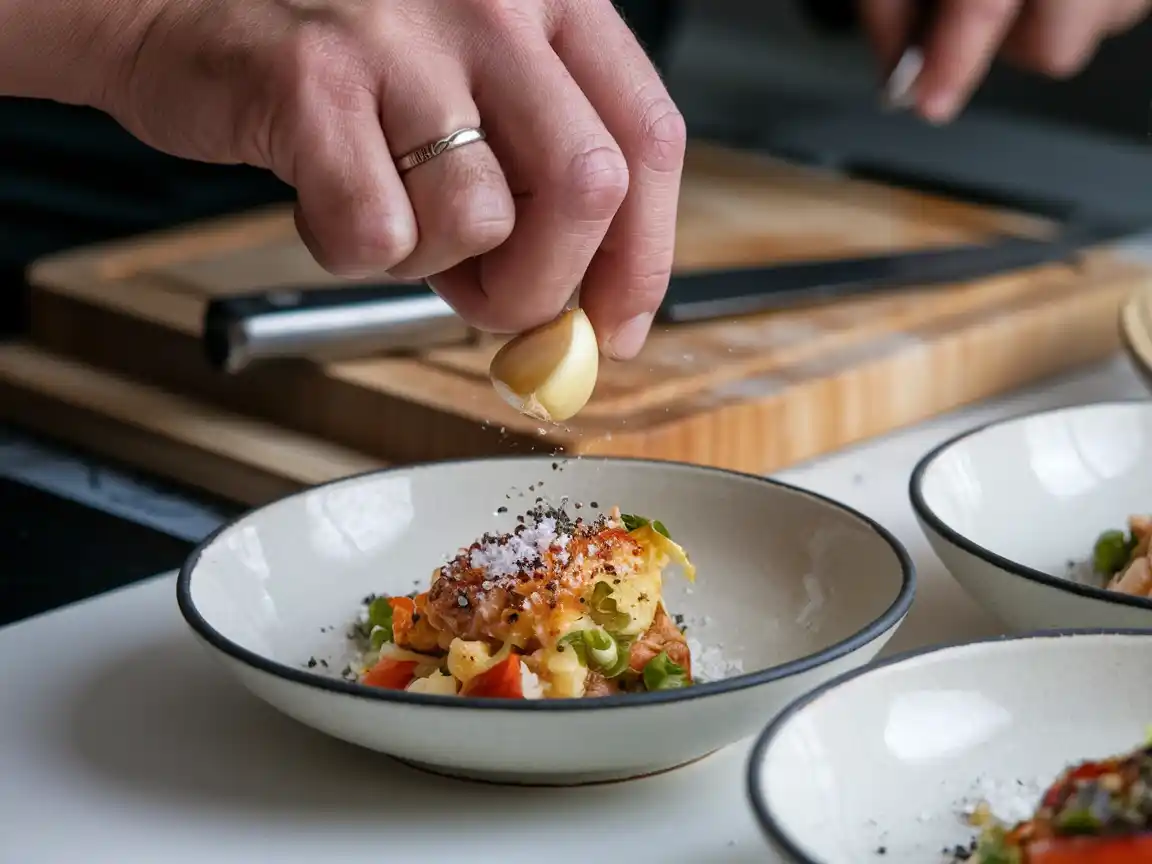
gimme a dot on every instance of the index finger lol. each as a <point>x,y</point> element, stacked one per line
<point>890,25</point>
<point>958,50</point>
<point>628,276</point>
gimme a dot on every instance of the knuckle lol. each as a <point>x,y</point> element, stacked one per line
<point>507,15</point>
<point>663,137</point>
<point>597,182</point>
<point>321,62</point>
<point>483,230</point>
<point>480,214</point>
<point>369,242</point>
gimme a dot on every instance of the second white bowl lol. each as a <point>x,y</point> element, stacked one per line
<point>882,764</point>
<point>1014,508</point>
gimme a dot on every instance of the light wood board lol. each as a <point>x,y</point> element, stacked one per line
<point>207,448</point>
<point>755,393</point>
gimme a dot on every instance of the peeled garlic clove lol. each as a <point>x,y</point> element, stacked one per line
<point>549,373</point>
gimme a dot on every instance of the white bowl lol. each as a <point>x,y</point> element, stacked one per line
<point>795,587</point>
<point>888,757</point>
<point>1013,507</point>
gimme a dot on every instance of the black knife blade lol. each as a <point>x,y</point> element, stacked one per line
<point>363,319</point>
<point>714,294</point>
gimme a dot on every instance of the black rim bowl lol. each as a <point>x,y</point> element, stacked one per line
<point>885,622</point>
<point>927,515</point>
<point>769,825</point>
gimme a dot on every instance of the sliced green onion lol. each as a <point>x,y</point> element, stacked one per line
<point>575,641</point>
<point>380,620</point>
<point>623,656</point>
<point>663,674</point>
<point>602,651</point>
<point>599,650</point>
<point>1111,553</point>
<point>604,610</point>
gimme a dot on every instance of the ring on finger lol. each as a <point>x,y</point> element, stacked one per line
<point>428,152</point>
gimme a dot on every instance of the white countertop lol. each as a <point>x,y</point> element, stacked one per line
<point>122,741</point>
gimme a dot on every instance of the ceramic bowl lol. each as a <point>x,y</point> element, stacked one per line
<point>1013,509</point>
<point>882,763</point>
<point>791,586</point>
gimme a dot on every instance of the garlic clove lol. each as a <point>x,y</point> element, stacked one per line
<point>549,373</point>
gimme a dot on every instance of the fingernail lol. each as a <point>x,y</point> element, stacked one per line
<point>900,88</point>
<point>627,341</point>
<point>354,273</point>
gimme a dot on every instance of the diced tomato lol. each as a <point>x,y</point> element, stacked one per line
<point>402,610</point>
<point>390,674</point>
<point>502,681</point>
<point>1092,850</point>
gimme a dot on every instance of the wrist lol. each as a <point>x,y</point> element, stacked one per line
<point>74,51</point>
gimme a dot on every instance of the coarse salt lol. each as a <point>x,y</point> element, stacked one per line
<point>507,555</point>
<point>710,664</point>
<point>1010,801</point>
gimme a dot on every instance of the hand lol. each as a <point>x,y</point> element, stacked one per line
<point>578,179</point>
<point>1053,37</point>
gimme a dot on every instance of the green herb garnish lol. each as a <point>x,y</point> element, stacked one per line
<point>993,848</point>
<point>1112,551</point>
<point>604,610</point>
<point>632,522</point>
<point>380,620</point>
<point>662,674</point>
<point>1078,822</point>
<point>599,650</point>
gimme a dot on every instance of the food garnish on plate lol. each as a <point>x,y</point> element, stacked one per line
<point>1122,559</point>
<point>1097,812</point>
<point>556,608</point>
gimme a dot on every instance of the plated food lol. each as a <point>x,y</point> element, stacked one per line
<point>1096,812</point>
<point>793,589</point>
<point>1121,561</point>
<point>1014,509</point>
<point>894,762</point>
<point>559,607</point>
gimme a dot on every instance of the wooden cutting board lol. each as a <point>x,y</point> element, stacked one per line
<point>755,393</point>
<point>201,446</point>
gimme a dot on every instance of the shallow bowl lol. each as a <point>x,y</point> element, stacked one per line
<point>1013,509</point>
<point>882,764</point>
<point>792,589</point>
